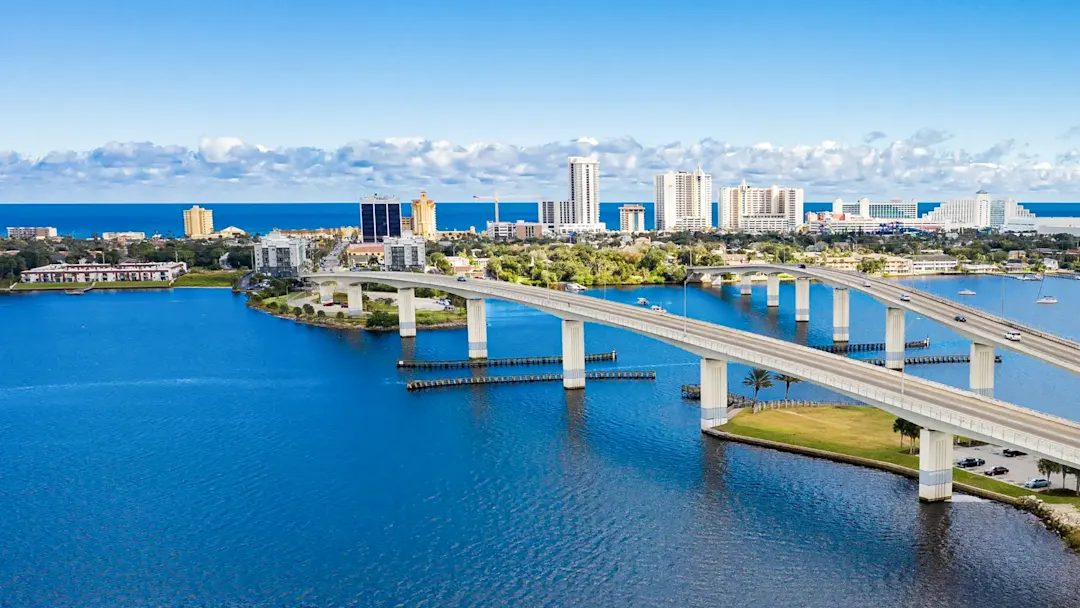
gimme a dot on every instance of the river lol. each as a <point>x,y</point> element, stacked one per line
<point>174,448</point>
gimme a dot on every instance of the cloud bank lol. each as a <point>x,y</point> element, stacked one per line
<point>229,169</point>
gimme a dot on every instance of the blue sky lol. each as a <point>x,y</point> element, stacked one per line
<point>992,80</point>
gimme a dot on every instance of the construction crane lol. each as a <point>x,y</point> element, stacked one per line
<point>495,198</point>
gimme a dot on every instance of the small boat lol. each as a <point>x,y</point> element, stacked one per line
<point>965,292</point>
<point>574,287</point>
<point>643,301</point>
<point>75,292</point>
<point>1046,300</point>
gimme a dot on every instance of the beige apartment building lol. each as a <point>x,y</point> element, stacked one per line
<point>198,221</point>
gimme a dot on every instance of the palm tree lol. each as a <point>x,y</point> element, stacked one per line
<point>788,381</point>
<point>757,379</point>
<point>1048,467</point>
<point>906,429</point>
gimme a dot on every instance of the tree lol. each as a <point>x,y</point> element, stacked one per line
<point>758,379</point>
<point>309,309</point>
<point>1049,467</point>
<point>788,381</point>
<point>340,315</point>
<point>298,312</point>
<point>381,318</point>
<point>906,429</point>
<point>321,313</point>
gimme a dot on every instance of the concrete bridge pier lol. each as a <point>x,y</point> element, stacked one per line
<point>477,321</point>
<point>713,393</point>
<point>982,369</point>
<point>573,354</point>
<point>772,290</point>
<point>406,302</point>
<point>356,300</point>
<point>935,465</point>
<point>326,292</point>
<point>894,338</point>
<point>841,323</point>
<point>746,284</point>
<point>802,299</point>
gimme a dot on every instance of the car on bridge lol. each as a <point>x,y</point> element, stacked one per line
<point>995,471</point>
<point>1037,482</point>
<point>967,463</point>
<point>960,319</point>
<point>461,279</point>
<point>1012,335</point>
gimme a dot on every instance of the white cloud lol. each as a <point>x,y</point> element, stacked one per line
<point>227,168</point>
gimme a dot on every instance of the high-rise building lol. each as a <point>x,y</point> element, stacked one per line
<point>632,218</point>
<point>423,217</point>
<point>198,221</point>
<point>756,210</point>
<point>895,209</point>
<point>280,256</point>
<point>401,253</point>
<point>978,212</point>
<point>380,217</point>
<point>683,201</point>
<point>584,174</point>
<point>552,214</point>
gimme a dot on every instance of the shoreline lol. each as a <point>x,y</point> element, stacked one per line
<point>334,323</point>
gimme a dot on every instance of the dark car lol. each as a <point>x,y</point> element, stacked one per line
<point>995,471</point>
<point>967,463</point>
<point>802,265</point>
<point>1009,453</point>
<point>960,319</point>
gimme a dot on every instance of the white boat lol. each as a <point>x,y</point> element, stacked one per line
<point>965,292</point>
<point>1046,300</point>
<point>574,287</point>
<point>643,301</point>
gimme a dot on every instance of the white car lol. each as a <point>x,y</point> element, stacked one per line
<point>905,298</point>
<point>866,283</point>
<point>1012,335</point>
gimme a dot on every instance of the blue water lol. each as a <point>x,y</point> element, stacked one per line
<point>174,448</point>
<point>82,220</point>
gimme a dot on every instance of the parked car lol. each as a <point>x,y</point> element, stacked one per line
<point>967,463</point>
<point>1012,335</point>
<point>1009,453</point>
<point>1037,482</point>
<point>905,298</point>
<point>995,471</point>
<point>960,319</point>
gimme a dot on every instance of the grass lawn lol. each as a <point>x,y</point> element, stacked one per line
<point>98,285</point>
<point>209,278</point>
<point>857,431</point>
<point>435,317</point>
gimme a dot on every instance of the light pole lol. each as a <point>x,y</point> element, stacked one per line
<point>686,279</point>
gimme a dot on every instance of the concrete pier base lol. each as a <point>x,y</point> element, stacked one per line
<point>573,354</point>
<point>745,285</point>
<point>802,299</point>
<point>713,393</point>
<point>894,338</point>
<point>935,465</point>
<point>841,314</point>
<point>477,322</point>
<point>772,290</point>
<point>356,300</point>
<point>982,369</point>
<point>326,292</point>
<point>407,312</point>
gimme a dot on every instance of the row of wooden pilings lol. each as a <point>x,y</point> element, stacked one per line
<point>417,385</point>
<point>509,361</point>
<point>868,346</point>
<point>930,359</point>
<point>693,392</point>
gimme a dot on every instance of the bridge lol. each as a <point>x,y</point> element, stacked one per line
<point>941,410</point>
<point>986,331</point>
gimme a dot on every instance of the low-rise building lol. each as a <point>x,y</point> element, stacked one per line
<point>280,256</point>
<point>929,264</point>
<point>514,231</point>
<point>123,237</point>
<point>31,233</point>
<point>980,268</point>
<point>344,232</point>
<point>401,253</point>
<point>570,229</point>
<point>90,273</point>
<point>365,254</point>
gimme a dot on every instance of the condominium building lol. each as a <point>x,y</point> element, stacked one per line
<point>632,218</point>
<point>933,263</point>
<point>90,273</point>
<point>1006,210</point>
<point>892,210</point>
<point>31,233</point>
<point>756,210</point>
<point>552,214</point>
<point>123,237</point>
<point>683,201</point>
<point>825,222</point>
<point>380,217</point>
<point>978,212</point>
<point>280,256</point>
<point>401,253</point>
<point>584,191</point>
<point>515,231</point>
<point>423,217</point>
<point>198,222</point>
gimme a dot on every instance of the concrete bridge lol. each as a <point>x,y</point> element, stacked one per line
<point>942,410</point>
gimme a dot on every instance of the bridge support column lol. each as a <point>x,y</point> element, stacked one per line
<point>573,354</point>
<point>356,300</point>
<point>745,284</point>
<point>406,304</point>
<point>894,338</point>
<point>841,299</point>
<point>326,292</point>
<point>713,393</point>
<point>802,299</point>
<point>772,290</point>
<point>982,369</point>
<point>477,320</point>
<point>935,465</point>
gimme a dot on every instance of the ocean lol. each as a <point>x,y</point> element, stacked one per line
<point>81,220</point>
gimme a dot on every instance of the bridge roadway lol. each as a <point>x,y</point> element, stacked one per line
<point>981,326</point>
<point>930,404</point>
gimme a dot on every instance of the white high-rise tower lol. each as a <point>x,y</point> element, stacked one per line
<point>683,201</point>
<point>584,173</point>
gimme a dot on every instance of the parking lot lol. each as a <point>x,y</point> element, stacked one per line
<point>1021,468</point>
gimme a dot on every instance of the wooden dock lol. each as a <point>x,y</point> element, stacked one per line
<point>931,359</point>
<point>510,361</point>
<point>869,346</point>
<point>417,385</point>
